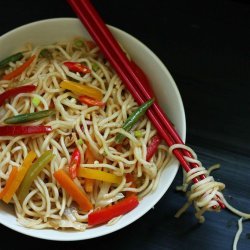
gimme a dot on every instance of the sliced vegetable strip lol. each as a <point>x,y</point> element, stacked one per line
<point>9,182</point>
<point>107,213</point>
<point>19,177</point>
<point>18,71</point>
<point>77,67</point>
<point>130,178</point>
<point>99,175</point>
<point>32,173</point>
<point>153,146</point>
<point>72,189</point>
<point>29,117</point>
<point>15,91</point>
<point>89,158</point>
<point>90,101</point>
<point>134,118</point>
<point>74,163</point>
<point>12,58</point>
<point>13,130</point>
<point>80,89</point>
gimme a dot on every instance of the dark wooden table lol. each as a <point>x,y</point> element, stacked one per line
<point>206,47</point>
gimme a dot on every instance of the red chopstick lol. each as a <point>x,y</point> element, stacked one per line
<point>111,49</point>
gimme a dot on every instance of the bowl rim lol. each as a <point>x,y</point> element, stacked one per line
<point>19,229</point>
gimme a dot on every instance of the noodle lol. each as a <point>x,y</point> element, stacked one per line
<point>47,205</point>
<point>204,194</point>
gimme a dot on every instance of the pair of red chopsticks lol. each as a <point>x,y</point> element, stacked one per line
<point>135,84</point>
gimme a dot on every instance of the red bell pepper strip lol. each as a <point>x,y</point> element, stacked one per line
<point>23,130</point>
<point>90,101</point>
<point>153,146</point>
<point>15,91</point>
<point>18,71</point>
<point>74,163</point>
<point>77,67</point>
<point>107,213</point>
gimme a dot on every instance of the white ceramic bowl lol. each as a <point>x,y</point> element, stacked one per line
<point>53,30</point>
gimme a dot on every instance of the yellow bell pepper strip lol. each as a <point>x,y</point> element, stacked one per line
<point>32,173</point>
<point>18,71</point>
<point>35,116</point>
<point>19,177</point>
<point>90,101</point>
<point>133,119</point>
<point>105,214</point>
<point>74,163</point>
<point>89,158</point>
<point>99,175</point>
<point>9,182</point>
<point>80,89</point>
<point>77,67</point>
<point>73,190</point>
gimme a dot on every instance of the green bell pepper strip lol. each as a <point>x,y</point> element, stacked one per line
<point>133,119</point>
<point>32,173</point>
<point>29,117</point>
<point>12,58</point>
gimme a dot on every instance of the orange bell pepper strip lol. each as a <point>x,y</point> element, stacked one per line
<point>72,189</point>
<point>107,213</point>
<point>19,177</point>
<point>9,182</point>
<point>130,178</point>
<point>90,101</point>
<point>18,71</point>
<point>80,89</point>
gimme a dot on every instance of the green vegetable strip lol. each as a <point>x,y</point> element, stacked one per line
<point>29,117</point>
<point>36,101</point>
<point>32,173</point>
<point>134,118</point>
<point>12,58</point>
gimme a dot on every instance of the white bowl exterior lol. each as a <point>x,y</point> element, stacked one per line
<point>53,30</point>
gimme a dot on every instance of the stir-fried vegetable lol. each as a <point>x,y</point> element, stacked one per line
<point>153,146</point>
<point>29,117</point>
<point>9,182</point>
<point>99,175</point>
<point>90,101</point>
<point>18,71</point>
<point>32,173</point>
<point>13,58</point>
<point>74,163</point>
<point>19,176</point>
<point>130,179</point>
<point>134,118</point>
<point>73,190</point>
<point>15,91</point>
<point>36,101</point>
<point>89,158</point>
<point>13,130</point>
<point>107,213</point>
<point>80,89</point>
<point>77,67</point>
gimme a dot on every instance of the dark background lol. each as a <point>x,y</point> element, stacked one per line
<point>205,46</point>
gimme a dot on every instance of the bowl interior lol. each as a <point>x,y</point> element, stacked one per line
<point>53,30</point>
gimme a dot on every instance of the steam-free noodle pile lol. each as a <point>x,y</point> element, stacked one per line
<point>75,125</point>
